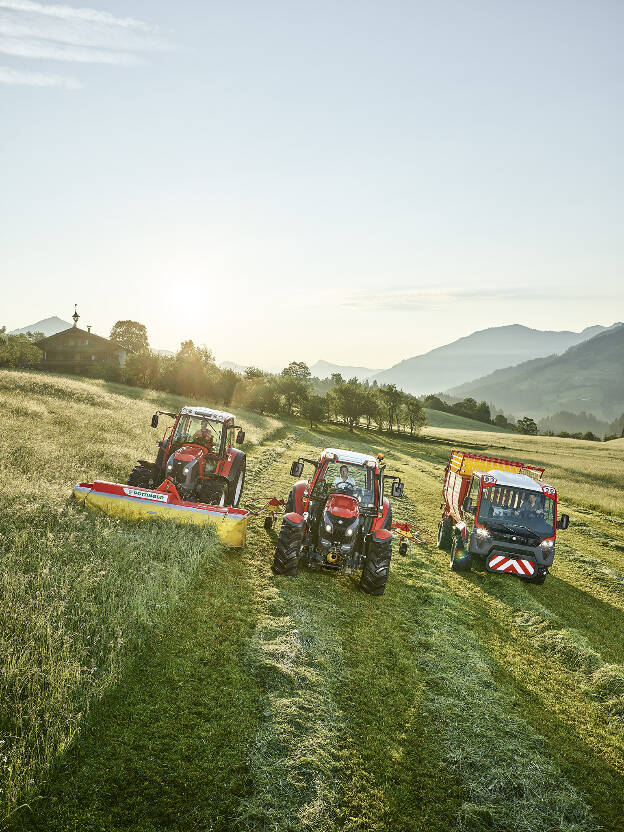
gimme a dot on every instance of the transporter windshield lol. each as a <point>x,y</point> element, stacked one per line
<point>504,508</point>
<point>198,431</point>
<point>355,480</point>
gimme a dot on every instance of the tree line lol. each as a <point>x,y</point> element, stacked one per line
<point>192,372</point>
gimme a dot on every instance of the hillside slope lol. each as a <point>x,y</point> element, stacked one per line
<point>586,377</point>
<point>469,357</point>
<point>176,686</point>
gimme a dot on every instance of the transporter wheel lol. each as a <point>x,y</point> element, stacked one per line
<point>403,548</point>
<point>460,560</point>
<point>445,534</point>
<point>286,559</point>
<point>376,568</point>
<point>236,487</point>
<point>537,579</point>
<point>142,477</point>
<point>268,523</point>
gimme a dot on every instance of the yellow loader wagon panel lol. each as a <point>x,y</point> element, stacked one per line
<point>142,503</point>
<point>465,464</point>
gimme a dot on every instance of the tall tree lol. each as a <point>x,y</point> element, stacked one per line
<point>130,335</point>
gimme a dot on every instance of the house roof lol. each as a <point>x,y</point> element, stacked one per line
<point>90,336</point>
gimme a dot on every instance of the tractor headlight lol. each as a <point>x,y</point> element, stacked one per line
<point>328,528</point>
<point>547,544</point>
<point>483,533</point>
<point>349,532</point>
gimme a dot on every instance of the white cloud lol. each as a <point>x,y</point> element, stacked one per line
<point>37,79</point>
<point>39,32</point>
<point>26,48</point>
<point>71,13</point>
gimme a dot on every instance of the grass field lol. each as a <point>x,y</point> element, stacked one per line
<point>152,681</point>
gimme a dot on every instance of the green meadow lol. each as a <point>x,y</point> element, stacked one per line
<point>152,680</point>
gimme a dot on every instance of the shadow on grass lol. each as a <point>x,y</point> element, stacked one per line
<point>165,749</point>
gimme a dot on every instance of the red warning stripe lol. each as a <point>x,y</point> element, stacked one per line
<point>516,566</point>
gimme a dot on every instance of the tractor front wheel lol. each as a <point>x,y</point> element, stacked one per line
<point>213,493</point>
<point>376,568</point>
<point>286,559</point>
<point>142,477</point>
<point>460,561</point>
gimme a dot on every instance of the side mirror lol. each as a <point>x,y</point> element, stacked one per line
<point>296,469</point>
<point>155,420</point>
<point>563,522</point>
<point>397,488</point>
<point>240,437</point>
<point>467,505</point>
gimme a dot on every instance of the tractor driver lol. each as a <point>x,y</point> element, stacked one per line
<point>203,436</point>
<point>531,506</point>
<point>344,481</point>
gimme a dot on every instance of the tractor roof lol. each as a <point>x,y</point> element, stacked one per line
<point>207,413</point>
<point>514,480</point>
<point>349,456</point>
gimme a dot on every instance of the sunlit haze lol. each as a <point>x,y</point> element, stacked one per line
<point>353,181</point>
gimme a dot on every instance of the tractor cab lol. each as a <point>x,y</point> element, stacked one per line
<point>339,520</point>
<point>198,454</point>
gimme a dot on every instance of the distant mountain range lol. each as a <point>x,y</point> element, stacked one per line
<point>324,369</point>
<point>474,355</point>
<point>587,377</point>
<point>49,326</point>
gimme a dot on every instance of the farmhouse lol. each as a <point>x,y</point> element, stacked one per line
<point>75,350</point>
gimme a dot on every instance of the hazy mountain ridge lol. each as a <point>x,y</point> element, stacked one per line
<point>49,326</point>
<point>587,377</point>
<point>325,369</point>
<point>473,355</point>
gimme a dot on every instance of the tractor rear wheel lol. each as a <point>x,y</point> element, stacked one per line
<point>376,568</point>
<point>236,487</point>
<point>142,477</point>
<point>460,561</point>
<point>286,559</point>
<point>445,534</point>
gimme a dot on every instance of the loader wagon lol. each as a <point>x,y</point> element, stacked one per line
<point>501,511</point>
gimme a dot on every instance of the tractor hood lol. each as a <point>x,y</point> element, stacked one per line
<point>342,506</point>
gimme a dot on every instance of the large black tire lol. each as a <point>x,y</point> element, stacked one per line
<point>214,493</point>
<point>286,559</point>
<point>537,579</point>
<point>445,534</point>
<point>236,487</point>
<point>460,560</point>
<point>142,477</point>
<point>376,568</point>
<point>290,504</point>
<point>387,523</point>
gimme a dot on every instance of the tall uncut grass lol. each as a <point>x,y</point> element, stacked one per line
<point>79,591</point>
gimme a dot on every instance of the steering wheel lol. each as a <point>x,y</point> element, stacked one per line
<point>344,488</point>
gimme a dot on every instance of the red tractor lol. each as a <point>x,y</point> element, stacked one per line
<point>339,520</point>
<point>198,454</point>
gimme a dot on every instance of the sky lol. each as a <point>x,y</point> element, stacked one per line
<point>357,182</point>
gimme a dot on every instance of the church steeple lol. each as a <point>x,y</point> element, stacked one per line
<point>75,316</point>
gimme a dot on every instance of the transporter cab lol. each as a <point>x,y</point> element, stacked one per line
<point>499,510</point>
